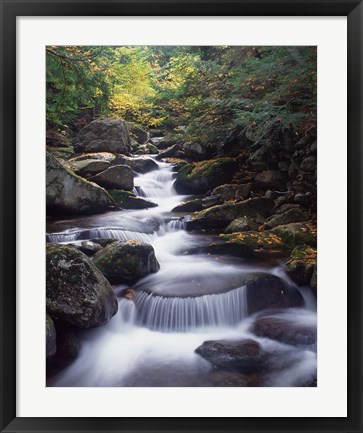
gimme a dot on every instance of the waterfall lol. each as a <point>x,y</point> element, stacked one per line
<point>176,224</point>
<point>182,314</point>
<point>105,233</point>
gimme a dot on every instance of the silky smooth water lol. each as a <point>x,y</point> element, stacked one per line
<point>193,298</point>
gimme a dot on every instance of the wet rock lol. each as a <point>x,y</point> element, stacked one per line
<point>103,241</point>
<point>284,207</point>
<point>129,294</point>
<point>128,200</point>
<point>90,248</point>
<point>297,233</point>
<point>116,177</point>
<point>77,292</point>
<point>233,192</point>
<point>68,193</point>
<point>51,342</point>
<point>221,215</point>
<point>266,291</point>
<point>126,261</point>
<point>104,135</point>
<point>292,215</point>
<point>301,264</point>
<point>68,345</point>
<point>245,356</point>
<point>271,179</point>
<point>284,330</point>
<point>201,177</point>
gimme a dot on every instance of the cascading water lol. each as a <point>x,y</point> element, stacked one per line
<point>193,298</point>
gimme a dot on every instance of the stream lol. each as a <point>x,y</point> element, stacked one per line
<point>194,297</point>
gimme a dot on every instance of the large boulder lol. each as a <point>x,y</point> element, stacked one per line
<point>201,177</point>
<point>244,224</point>
<point>104,135</point>
<point>116,177</point>
<point>77,292</point>
<point>68,193</point>
<point>51,341</point>
<point>128,200</point>
<point>245,356</point>
<point>266,291</point>
<point>301,265</point>
<point>292,215</point>
<point>220,216</point>
<point>126,261</point>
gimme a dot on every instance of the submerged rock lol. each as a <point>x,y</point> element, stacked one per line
<point>68,193</point>
<point>301,265</point>
<point>77,292</point>
<point>104,135</point>
<point>128,200</point>
<point>245,356</point>
<point>126,261</point>
<point>116,177</point>
<point>285,330</point>
<point>201,177</point>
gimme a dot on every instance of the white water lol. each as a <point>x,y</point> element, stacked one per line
<point>193,298</point>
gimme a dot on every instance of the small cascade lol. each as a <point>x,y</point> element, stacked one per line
<point>176,224</point>
<point>105,233</point>
<point>182,314</point>
<point>156,184</point>
<point>127,311</point>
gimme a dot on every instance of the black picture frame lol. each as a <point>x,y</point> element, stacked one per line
<point>10,10</point>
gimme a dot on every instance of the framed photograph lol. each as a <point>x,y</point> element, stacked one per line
<point>181,216</point>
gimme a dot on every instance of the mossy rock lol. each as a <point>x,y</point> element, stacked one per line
<point>220,216</point>
<point>201,177</point>
<point>51,341</point>
<point>248,244</point>
<point>77,292</point>
<point>126,261</point>
<point>301,264</point>
<point>297,233</point>
<point>67,193</point>
<point>244,224</point>
<point>128,200</point>
<point>293,215</point>
<point>233,191</point>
